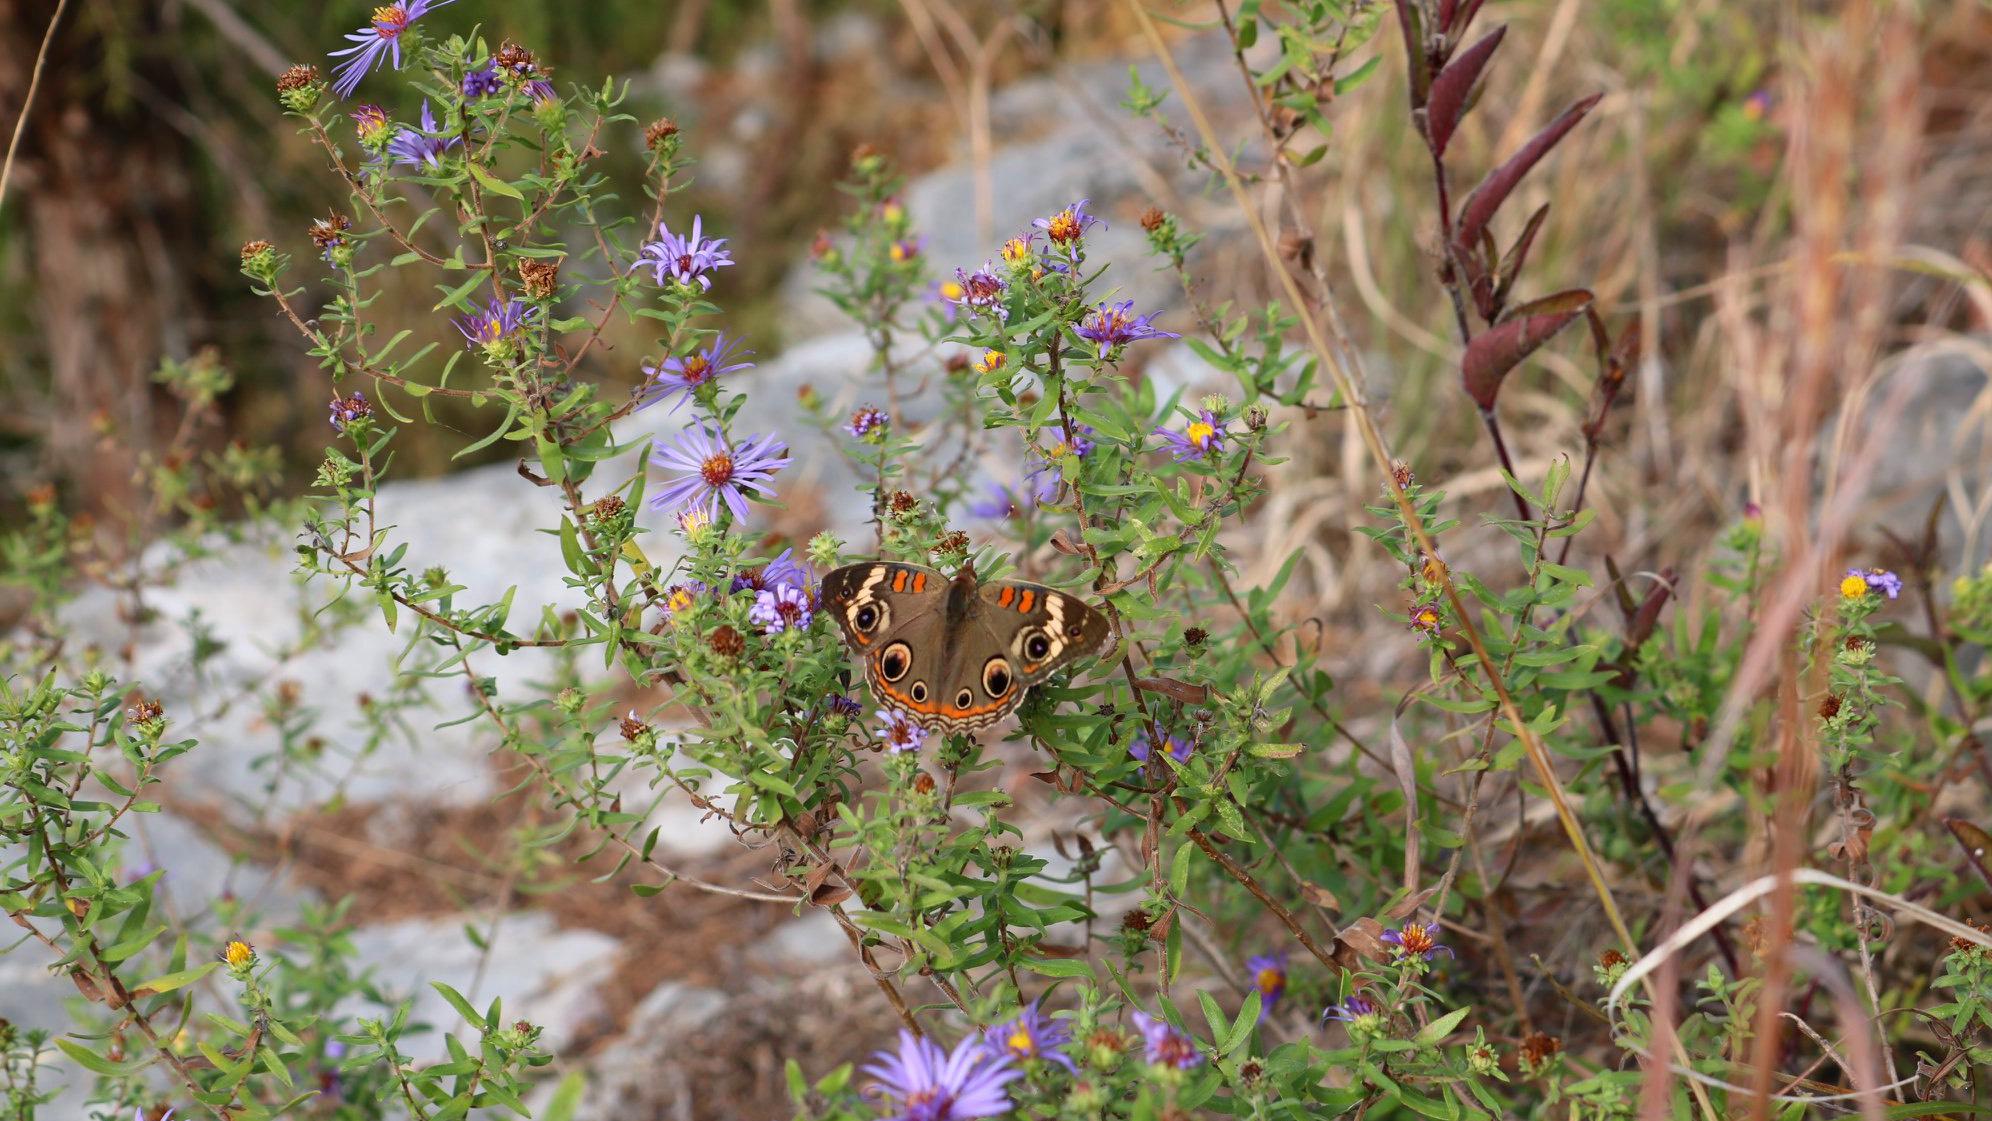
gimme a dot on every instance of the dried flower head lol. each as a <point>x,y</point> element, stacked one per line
<point>1152,219</point>
<point>726,642</point>
<point>297,77</point>
<point>1537,1050</point>
<point>344,411</point>
<point>540,276</point>
<point>1195,637</point>
<point>1960,944</point>
<point>923,783</point>
<point>330,230</point>
<point>631,727</point>
<point>953,542</point>
<point>659,131</point>
<point>607,508</point>
<point>902,503</point>
<point>1830,707</point>
<point>1400,473</point>
<point>145,712</point>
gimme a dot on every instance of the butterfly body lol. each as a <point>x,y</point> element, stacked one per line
<point>956,654</point>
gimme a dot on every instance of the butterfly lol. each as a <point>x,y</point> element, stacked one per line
<point>956,654</point>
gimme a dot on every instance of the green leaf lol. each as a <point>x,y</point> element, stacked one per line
<point>1440,1028</point>
<point>493,184</point>
<point>566,1098</point>
<point>167,982</point>
<point>470,1015</point>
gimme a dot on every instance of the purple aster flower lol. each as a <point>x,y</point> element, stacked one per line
<point>1417,939</point>
<point>369,121</point>
<point>1269,976</point>
<point>924,1083</point>
<point>1116,325</point>
<point>1041,482</point>
<point>1179,748</point>
<point>687,260</point>
<point>482,83</point>
<point>1357,1007</point>
<point>714,471</point>
<point>901,735</point>
<point>681,377</point>
<point>866,421</point>
<point>346,410</point>
<point>1032,1035</point>
<point>1166,1046</point>
<point>784,570</point>
<point>1075,438</point>
<point>1880,580</point>
<point>381,36</point>
<point>138,1114</point>
<point>999,504</point>
<point>500,320</point>
<point>414,147</point>
<point>842,705</point>
<point>680,598</point>
<point>1068,225</point>
<point>982,290</point>
<point>1202,438</point>
<point>781,608</point>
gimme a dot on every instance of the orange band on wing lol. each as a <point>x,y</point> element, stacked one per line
<point>1005,596</point>
<point>899,581</point>
<point>1024,602</point>
<point>919,582</point>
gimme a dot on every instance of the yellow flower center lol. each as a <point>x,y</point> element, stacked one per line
<point>390,20</point>
<point>1201,433</point>
<point>990,360</point>
<point>1063,227</point>
<point>691,521</point>
<point>1016,250</point>
<point>696,369</point>
<point>679,601</point>
<point>1021,1043</point>
<point>238,954</point>
<point>952,290</point>
<point>1271,980</point>
<point>898,251</point>
<point>1854,586</point>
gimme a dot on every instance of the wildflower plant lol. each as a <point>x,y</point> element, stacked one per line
<point>1268,905</point>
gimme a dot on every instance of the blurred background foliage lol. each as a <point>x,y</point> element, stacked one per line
<point>156,149</point>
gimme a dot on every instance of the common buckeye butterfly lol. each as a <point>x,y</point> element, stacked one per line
<point>956,654</point>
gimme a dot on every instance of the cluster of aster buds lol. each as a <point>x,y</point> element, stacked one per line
<point>541,277</point>
<point>300,87</point>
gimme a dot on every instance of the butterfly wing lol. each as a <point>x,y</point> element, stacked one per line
<point>893,615</point>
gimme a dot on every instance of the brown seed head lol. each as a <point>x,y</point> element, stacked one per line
<point>540,277</point>
<point>1195,637</point>
<point>329,229</point>
<point>726,641</point>
<point>296,78</point>
<point>631,727</point>
<point>923,784</point>
<point>1401,472</point>
<point>1152,219</point>
<point>659,130</point>
<point>1538,1048</point>
<point>1830,707</point>
<point>253,248</point>
<point>1610,959</point>
<point>607,507</point>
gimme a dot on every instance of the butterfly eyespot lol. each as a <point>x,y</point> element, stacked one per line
<point>895,661</point>
<point>865,618</point>
<point>1074,630</point>
<point>918,692</point>
<point>964,699</point>
<point>996,677</point>
<point>1037,646</point>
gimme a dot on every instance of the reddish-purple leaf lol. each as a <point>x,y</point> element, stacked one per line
<point>1461,17</point>
<point>1518,255</point>
<point>1411,23</point>
<point>1479,207</point>
<point>1498,350</point>
<point>1450,90</point>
